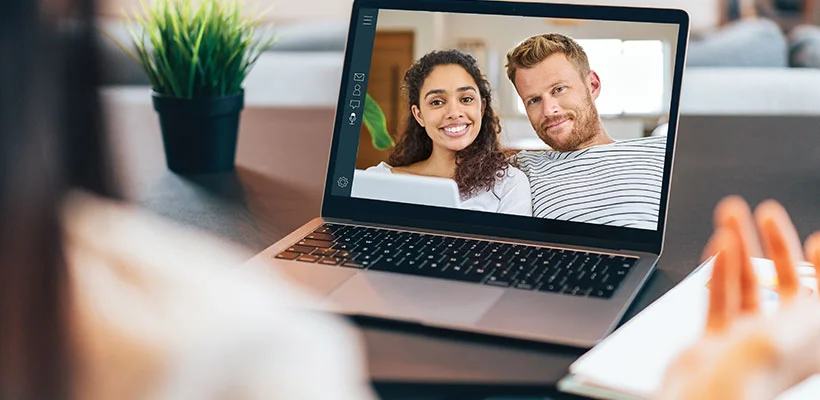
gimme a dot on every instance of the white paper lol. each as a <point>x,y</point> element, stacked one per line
<point>633,360</point>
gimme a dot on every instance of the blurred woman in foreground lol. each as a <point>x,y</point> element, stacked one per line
<point>100,300</point>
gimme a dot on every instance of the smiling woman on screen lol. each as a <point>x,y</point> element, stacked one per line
<point>453,133</point>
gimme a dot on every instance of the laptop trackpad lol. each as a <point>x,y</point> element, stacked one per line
<point>414,298</point>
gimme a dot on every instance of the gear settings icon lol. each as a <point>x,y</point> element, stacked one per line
<point>342,182</point>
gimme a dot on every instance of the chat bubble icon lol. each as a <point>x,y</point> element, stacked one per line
<point>354,104</point>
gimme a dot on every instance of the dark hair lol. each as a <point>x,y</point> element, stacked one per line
<point>482,163</point>
<point>50,140</point>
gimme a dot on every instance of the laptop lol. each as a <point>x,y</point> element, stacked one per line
<point>555,278</point>
<point>405,188</point>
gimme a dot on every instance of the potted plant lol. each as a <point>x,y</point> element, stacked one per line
<point>197,53</point>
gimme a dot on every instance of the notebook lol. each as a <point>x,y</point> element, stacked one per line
<point>653,339</point>
<point>405,188</point>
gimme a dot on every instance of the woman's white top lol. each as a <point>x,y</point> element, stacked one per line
<point>511,194</point>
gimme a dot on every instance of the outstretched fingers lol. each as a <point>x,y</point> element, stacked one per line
<point>734,214</point>
<point>813,255</point>
<point>724,290</point>
<point>781,244</point>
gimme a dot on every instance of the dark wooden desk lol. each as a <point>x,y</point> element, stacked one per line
<point>278,182</point>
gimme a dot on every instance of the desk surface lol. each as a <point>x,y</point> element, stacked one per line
<point>277,186</point>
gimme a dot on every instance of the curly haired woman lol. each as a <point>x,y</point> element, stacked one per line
<point>453,133</point>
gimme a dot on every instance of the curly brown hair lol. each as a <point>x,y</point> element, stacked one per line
<point>482,163</point>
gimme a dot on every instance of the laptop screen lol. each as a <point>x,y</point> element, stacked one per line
<point>547,118</point>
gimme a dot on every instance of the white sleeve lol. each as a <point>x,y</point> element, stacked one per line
<point>380,167</point>
<point>515,195</point>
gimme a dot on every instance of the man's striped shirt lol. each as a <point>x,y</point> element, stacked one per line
<point>614,184</point>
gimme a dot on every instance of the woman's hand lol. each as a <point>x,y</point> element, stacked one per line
<point>743,353</point>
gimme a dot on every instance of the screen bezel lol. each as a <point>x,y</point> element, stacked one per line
<point>502,225</point>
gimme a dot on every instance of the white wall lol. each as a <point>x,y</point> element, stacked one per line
<point>703,14</point>
<point>307,9</point>
<point>280,10</point>
<point>428,28</point>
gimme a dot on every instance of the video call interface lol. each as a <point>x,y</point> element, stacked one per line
<point>562,119</point>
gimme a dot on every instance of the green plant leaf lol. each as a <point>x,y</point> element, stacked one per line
<point>375,121</point>
<point>196,48</point>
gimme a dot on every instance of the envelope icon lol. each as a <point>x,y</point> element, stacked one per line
<point>358,76</point>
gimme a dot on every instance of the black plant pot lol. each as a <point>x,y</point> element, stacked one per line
<point>199,134</point>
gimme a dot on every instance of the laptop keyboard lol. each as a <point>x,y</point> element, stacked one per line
<point>505,265</point>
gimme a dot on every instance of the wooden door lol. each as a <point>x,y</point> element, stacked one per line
<point>392,55</point>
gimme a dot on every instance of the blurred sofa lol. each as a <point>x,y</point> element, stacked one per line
<point>302,69</point>
<point>752,67</point>
<point>750,91</point>
<point>723,75</point>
